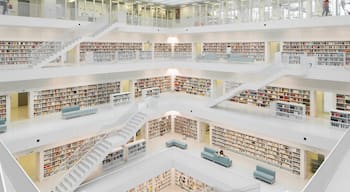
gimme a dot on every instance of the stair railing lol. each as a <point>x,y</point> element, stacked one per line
<point>79,34</point>
<point>105,132</point>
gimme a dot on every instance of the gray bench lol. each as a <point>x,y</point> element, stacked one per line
<point>176,143</point>
<point>265,174</point>
<point>3,126</point>
<point>212,155</point>
<point>75,111</point>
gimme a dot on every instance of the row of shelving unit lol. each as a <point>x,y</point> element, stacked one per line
<point>125,153</point>
<point>193,85</point>
<point>186,127</point>
<point>263,97</point>
<point>156,184</point>
<point>163,83</point>
<point>328,53</point>
<point>3,105</point>
<point>53,100</point>
<point>105,51</point>
<point>255,50</point>
<point>120,98</point>
<point>56,159</point>
<point>22,52</point>
<point>188,183</point>
<point>277,154</point>
<point>159,127</point>
<point>289,110</point>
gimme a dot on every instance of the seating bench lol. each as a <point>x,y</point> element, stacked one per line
<point>211,154</point>
<point>265,174</point>
<point>3,126</point>
<point>176,143</point>
<point>75,111</point>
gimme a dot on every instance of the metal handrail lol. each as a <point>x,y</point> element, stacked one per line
<point>105,131</point>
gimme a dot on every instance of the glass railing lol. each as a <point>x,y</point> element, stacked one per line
<point>337,60</point>
<point>125,57</point>
<point>246,13</point>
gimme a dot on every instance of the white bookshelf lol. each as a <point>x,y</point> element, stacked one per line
<point>107,51</point>
<point>329,53</point>
<point>114,159</point>
<point>163,83</point>
<point>120,98</point>
<point>273,153</point>
<point>156,184</point>
<point>59,158</point>
<point>159,127</point>
<point>53,100</point>
<point>186,127</point>
<point>340,119</point>
<point>289,110</point>
<point>3,107</point>
<point>135,149</point>
<point>22,52</point>
<point>263,97</point>
<point>190,184</point>
<point>255,50</point>
<point>151,92</point>
<point>343,102</point>
<point>193,85</point>
<point>162,50</point>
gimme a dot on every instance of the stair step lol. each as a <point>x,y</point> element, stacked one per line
<point>72,177</point>
<point>103,146</point>
<point>77,173</point>
<point>99,152</point>
<point>82,169</point>
<point>93,156</point>
<point>64,186</point>
<point>58,188</point>
<point>90,160</point>
<point>68,181</point>
<point>86,164</point>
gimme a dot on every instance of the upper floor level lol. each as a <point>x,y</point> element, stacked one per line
<point>175,14</point>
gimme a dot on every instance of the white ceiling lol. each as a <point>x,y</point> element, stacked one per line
<point>173,2</point>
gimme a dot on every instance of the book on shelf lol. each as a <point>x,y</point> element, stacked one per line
<point>289,110</point>
<point>186,127</point>
<point>163,83</point>
<point>159,127</point>
<point>255,50</point>
<point>263,97</point>
<point>340,118</point>
<point>192,85</point>
<point>329,53</point>
<point>277,154</point>
<point>53,100</point>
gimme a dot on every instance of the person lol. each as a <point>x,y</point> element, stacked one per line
<point>3,4</point>
<point>221,153</point>
<point>228,51</point>
<point>325,8</point>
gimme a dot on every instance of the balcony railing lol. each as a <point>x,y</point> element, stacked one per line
<point>246,13</point>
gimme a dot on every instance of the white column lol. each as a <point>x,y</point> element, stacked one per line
<point>147,131</point>
<point>8,109</point>
<point>199,136</point>
<point>211,126</point>
<point>172,124</point>
<point>312,103</point>
<point>302,163</point>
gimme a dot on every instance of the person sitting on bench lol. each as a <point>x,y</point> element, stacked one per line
<point>221,153</point>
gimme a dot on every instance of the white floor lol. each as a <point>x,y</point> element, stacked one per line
<point>52,129</point>
<point>241,164</point>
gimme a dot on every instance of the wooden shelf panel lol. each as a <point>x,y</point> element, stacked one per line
<point>186,127</point>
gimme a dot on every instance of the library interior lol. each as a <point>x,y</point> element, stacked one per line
<point>174,95</point>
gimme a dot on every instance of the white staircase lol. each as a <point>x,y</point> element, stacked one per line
<point>89,162</point>
<point>269,74</point>
<point>89,33</point>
